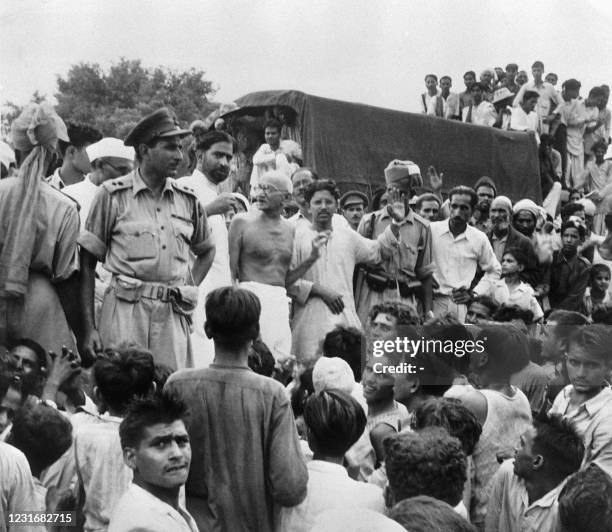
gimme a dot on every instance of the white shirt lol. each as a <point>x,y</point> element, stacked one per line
<point>55,180</point>
<point>522,296</point>
<point>329,487</point>
<point>219,273</point>
<point>83,193</point>
<point>456,258</point>
<point>429,103</point>
<point>139,510</point>
<point>18,491</point>
<point>547,93</point>
<point>482,115</point>
<point>266,159</point>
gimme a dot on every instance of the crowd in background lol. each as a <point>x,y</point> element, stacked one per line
<point>177,356</point>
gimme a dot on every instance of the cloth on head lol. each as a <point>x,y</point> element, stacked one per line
<point>397,170</point>
<point>38,125</point>
<point>526,205</point>
<point>333,374</point>
<point>242,199</point>
<point>110,147</point>
<point>7,155</point>
<point>503,202</point>
<point>36,130</point>
<point>501,94</point>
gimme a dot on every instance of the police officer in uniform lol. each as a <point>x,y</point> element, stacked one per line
<point>146,229</point>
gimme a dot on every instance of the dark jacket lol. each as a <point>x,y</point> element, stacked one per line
<point>531,273</point>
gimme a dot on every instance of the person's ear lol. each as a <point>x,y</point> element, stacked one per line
<point>480,359</point>
<point>538,462</point>
<point>129,457</point>
<point>521,267</point>
<point>71,152</point>
<point>414,385</point>
<point>207,330</point>
<point>153,388</point>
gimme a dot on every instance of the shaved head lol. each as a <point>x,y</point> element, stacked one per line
<point>277,180</point>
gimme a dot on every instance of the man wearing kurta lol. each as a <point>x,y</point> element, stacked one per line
<point>404,272</point>
<point>38,230</point>
<point>326,290</point>
<point>143,226</point>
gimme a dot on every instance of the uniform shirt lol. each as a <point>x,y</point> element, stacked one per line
<point>137,235</point>
<point>451,105</point>
<point>329,487</point>
<point>568,281</point>
<point>593,421</point>
<point>413,253</point>
<point>456,258</point>
<point>509,510</point>
<point>246,457</point>
<point>139,510</point>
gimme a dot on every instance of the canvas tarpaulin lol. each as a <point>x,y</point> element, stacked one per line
<point>353,143</point>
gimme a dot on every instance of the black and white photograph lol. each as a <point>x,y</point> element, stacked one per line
<point>288,266</point>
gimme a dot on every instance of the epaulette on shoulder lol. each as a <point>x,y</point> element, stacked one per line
<point>64,196</point>
<point>117,184</point>
<point>184,188</point>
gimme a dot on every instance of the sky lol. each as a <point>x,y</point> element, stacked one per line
<point>373,52</point>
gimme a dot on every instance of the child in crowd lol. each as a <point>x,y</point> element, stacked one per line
<point>510,290</point>
<point>596,296</point>
<point>334,422</point>
<point>587,401</point>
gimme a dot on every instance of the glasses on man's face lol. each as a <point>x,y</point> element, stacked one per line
<point>265,188</point>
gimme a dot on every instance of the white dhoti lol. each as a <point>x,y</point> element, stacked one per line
<point>274,321</point>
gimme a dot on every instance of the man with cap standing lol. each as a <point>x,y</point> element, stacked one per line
<point>353,204</point>
<point>503,236</point>
<point>480,112</point>
<point>405,270</point>
<point>39,227</point>
<point>214,152</point>
<point>143,227</point>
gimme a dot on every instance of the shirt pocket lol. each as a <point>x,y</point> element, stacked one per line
<point>141,240</point>
<point>183,233</point>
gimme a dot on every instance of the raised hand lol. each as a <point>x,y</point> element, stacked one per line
<point>435,179</point>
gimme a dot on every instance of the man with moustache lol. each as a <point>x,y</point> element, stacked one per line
<point>143,226</point>
<point>260,250</point>
<point>326,289</point>
<point>214,152</point>
<point>503,236</point>
<point>457,250</point>
<point>353,204</point>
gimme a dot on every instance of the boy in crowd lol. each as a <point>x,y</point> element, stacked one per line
<point>585,502</point>
<point>334,421</point>
<point>156,448</point>
<point>596,295</point>
<point>426,514</point>
<point>43,435</point>
<point>502,409</point>
<point>524,491</point>
<point>238,486</point>
<point>569,272</point>
<point>587,401</point>
<point>428,462</point>
<point>119,377</point>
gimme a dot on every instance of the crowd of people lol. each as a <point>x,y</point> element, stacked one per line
<point>178,357</point>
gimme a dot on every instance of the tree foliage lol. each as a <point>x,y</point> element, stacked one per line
<point>113,101</point>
